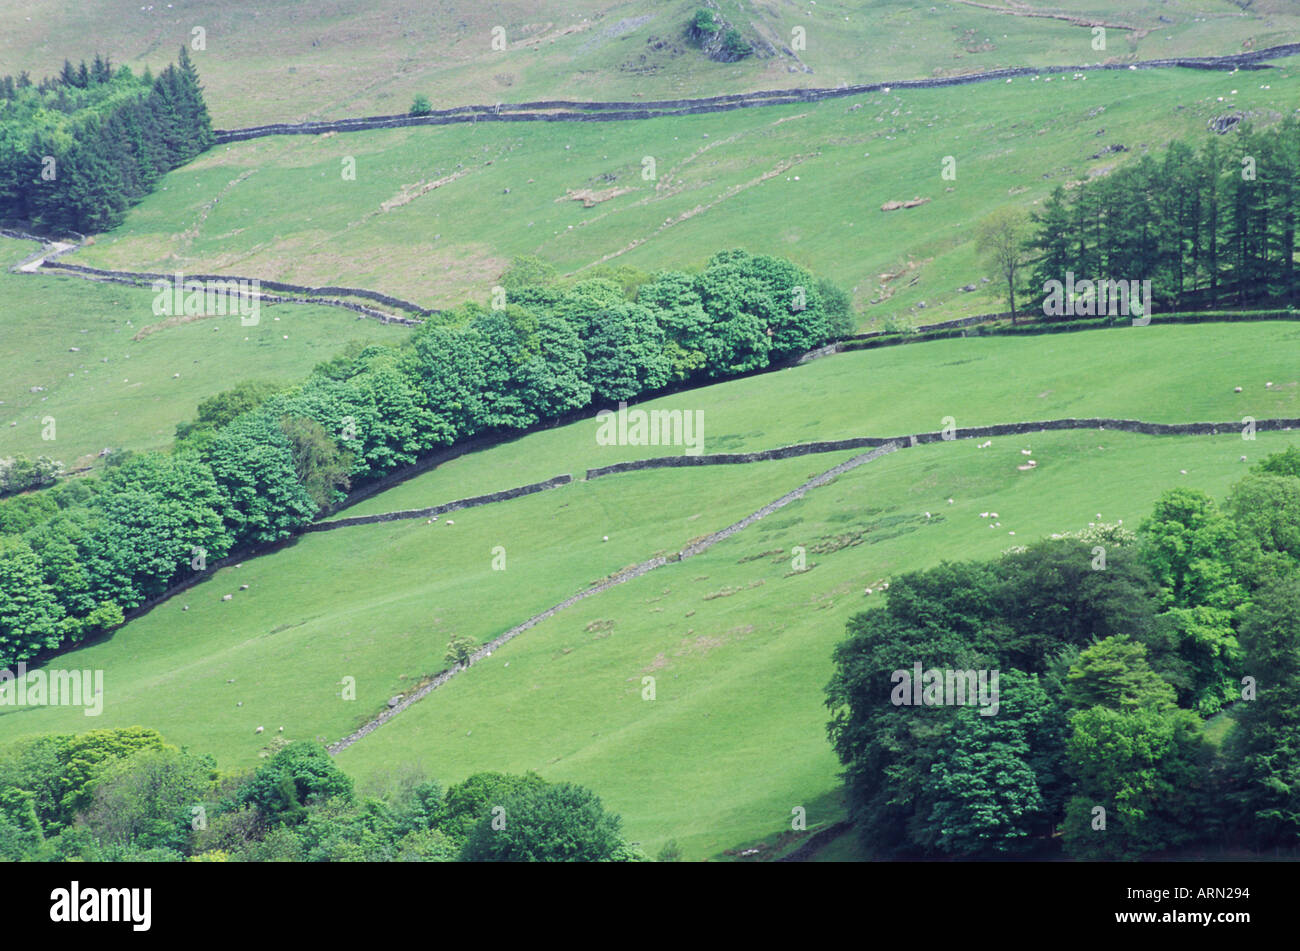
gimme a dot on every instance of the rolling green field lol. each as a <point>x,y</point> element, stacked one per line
<point>737,642</point>
<point>1169,374</point>
<point>739,647</point>
<point>281,62</point>
<point>76,340</point>
<point>805,182</point>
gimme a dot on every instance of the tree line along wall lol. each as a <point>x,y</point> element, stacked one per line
<point>259,464</point>
<point>473,502</point>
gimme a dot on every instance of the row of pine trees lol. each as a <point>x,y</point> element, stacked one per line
<point>78,149</point>
<point>1209,227</point>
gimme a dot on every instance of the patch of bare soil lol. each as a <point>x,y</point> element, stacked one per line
<point>409,193</point>
<point>895,205</point>
<point>591,198</point>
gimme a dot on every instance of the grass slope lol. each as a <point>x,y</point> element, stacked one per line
<point>806,182</point>
<point>741,651</point>
<point>75,339</point>
<point>735,738</point>
<point>283,61</point>
<point>379,603</point>
<point>1163,374</point>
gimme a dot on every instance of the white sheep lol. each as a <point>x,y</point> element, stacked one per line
<point>258,730</point>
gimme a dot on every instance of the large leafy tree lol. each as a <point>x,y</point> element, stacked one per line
<point>30,612</point>
<point>447,366</point>
<point>1265,748</point>
<point>252,460</point>
<point>1186,543</point>
<point>561,823</point>
<point>298,775</point>
<point>987,796</point>
<point>471,800</point>
<point>155,511</point>
<point>678,309</point>
<point>145,800</point>
<point>1265,511</point>
<point>1133,753</point>
<point>623,344</point>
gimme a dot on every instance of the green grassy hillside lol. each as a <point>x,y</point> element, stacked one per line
<point>898,390</point>
<point>806,182</point>
<point>76,341</point>
<point>740,648</point>
<point>285,61</point>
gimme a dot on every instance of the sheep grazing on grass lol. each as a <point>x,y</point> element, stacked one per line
<point>258,730</point>
<point>1236,389</point>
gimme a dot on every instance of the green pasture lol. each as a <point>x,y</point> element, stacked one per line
<point>1163,374</point>
<point>73,338</point>
<point>806,182</point>
<point>292,61</point>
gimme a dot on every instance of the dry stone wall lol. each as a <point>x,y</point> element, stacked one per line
<point>559,110</point>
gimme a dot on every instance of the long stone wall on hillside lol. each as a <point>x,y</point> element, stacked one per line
<point>469,503</point>
<point>883,447</point>
<point>148,277</point>
<point>971,432</point>
<point>809,846</point>
<point>577,111</point>
<point>628,574</point>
